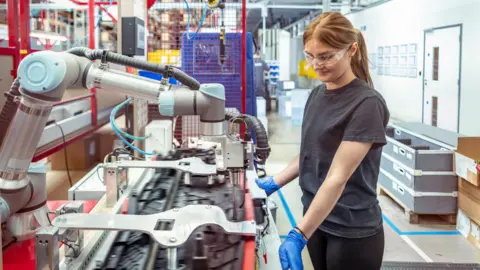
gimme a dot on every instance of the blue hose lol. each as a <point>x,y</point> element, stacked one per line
<point>118,131</point>
<point>201,20</point>
<point>114,125</point>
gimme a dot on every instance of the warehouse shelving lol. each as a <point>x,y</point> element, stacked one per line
<point>24,29</point>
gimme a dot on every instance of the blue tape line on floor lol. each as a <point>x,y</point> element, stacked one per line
<point>287,209</point>
<point>387,220</point>
<point>398,231</point>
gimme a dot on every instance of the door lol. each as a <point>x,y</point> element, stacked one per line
<point>441,92</point>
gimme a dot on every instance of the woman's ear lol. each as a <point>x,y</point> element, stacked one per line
<point>353,49</point>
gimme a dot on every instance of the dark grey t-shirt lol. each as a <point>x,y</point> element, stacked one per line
<point>354,112</point>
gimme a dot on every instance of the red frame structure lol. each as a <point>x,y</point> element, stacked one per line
<point>19,46</point>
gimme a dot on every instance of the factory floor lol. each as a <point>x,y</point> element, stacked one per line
<point>403,241</point>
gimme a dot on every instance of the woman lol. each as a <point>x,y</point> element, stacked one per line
<point>343,134</point>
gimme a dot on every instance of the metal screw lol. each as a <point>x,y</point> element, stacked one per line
<point>173,240</point>
<point>208,206</point>
<point>175,209</point>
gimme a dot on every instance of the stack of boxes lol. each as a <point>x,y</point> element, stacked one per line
<point>417,172</point>
<point>166,27</point>
<point>299,100</point>
<point>467,165</point>
<point>262,112</point>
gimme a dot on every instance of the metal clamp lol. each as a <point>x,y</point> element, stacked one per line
<point>72,239</point>
<point>184,221</point>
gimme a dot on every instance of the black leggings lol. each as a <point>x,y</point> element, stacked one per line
<point>329,252</point>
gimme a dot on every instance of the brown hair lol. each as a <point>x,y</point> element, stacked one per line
<point>334,30</point>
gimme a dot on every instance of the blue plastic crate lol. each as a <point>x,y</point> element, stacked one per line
<point>155,76</point>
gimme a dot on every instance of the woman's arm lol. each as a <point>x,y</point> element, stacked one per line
<point>289,173</point>
<point>345,162</point>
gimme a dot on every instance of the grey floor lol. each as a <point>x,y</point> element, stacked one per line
<point>284,140</point>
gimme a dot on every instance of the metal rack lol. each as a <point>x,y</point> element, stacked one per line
<point>19,46</point>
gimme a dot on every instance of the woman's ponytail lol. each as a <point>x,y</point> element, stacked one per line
<point>359,62</point>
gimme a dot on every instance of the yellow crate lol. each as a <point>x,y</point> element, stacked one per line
<point>305,71</point>
<point>164,56</point>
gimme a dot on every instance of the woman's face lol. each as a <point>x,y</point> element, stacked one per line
<point>329,63</point>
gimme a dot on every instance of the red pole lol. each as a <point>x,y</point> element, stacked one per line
<point>12,6</point>
<point>244,56</point>
<point>91,45</point>
<point>91,24</point>
<point>24,20</point>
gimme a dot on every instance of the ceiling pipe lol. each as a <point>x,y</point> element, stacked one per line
<point>85,3</point>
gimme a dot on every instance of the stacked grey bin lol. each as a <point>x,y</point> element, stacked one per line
<point>418,171</point>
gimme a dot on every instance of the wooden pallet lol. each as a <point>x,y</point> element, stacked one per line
<point>419,218</point>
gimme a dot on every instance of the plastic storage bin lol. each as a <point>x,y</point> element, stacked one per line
<point>417,151</point>
<point>419,202</point>
<point>421,181</point>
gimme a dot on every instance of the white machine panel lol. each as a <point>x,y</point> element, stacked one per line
<point>160,136</point>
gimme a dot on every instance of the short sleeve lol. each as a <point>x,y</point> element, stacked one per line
<point>367,123</point>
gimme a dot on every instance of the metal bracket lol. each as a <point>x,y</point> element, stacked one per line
<point>183,221</point>
<point>116,181</point>
<point>193,165</point>
<point>46,245</point>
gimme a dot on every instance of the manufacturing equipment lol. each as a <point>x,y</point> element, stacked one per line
<point>193,207</point>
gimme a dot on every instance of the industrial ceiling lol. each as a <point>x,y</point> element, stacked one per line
<point>284,16</point>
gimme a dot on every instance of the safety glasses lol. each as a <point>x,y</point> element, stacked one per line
<point>325,59</point>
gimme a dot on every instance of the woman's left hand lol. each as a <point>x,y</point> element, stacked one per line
<point>291,251</point>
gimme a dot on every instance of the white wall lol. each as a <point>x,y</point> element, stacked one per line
<point>403,22</point>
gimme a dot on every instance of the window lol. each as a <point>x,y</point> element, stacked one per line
<point>434,111</point>
<point>436,56</point>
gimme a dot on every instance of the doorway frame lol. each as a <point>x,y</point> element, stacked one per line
<point>425,31</point>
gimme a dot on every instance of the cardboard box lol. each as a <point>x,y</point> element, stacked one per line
<point>468,228</point>
<point>467,159</point>
<point>107,139</point>
<point>58,184</point>
<point>469,199</point>
<point>81,155</point>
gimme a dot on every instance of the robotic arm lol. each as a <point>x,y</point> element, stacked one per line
<point>44,77</point>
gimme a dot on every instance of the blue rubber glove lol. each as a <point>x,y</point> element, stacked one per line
<point>267,184</point>
<point>291,251</point>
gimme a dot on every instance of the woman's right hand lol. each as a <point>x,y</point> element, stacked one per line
<point>268,184</point>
